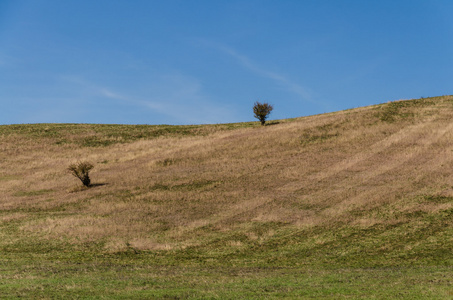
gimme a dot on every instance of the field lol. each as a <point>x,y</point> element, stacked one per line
<point>354,204</point>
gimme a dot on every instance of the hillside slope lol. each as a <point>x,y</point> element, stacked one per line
<point>365,187</point>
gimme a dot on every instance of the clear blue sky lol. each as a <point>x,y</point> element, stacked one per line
<point>208,61</point>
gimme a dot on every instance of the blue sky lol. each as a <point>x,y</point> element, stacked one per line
<point>208,61</point>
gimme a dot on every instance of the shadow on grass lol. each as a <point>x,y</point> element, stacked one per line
<point>82,188</point>
<point>97,184</point>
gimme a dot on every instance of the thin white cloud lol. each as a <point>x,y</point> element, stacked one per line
<point>182,98</point>
<point>178,97</point>
<point>247,63</point>
<point>105,92</point>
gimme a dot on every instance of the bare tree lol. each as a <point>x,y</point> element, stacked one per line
<point>81,170</point>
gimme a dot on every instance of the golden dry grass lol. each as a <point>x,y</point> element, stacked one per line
<point>171,192</point>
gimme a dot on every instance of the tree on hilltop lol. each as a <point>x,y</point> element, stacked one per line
<point>261,111</point>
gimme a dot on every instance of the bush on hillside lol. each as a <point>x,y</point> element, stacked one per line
<point>261,111</point>
<point>81,170</point>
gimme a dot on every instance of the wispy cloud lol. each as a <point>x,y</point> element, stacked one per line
<point>175,97</point>
<point>278,78</point>
<point>183,99</point>
<point>107,93</point>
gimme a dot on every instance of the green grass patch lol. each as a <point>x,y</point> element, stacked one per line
<point>436,199</point>
<point>33,193</point>
<point>320,134</point>
<point>193,185</point>
<point>403,109</point>
<point>139,278</point>
<point>8,177</point>
<point>102,135</point>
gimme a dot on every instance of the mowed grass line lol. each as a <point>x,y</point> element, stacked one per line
<point>356,204</point>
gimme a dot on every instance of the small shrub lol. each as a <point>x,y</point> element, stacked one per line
<point>261,111</point>
<point>81,170</point>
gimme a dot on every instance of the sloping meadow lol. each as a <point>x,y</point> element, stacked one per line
<point>365,188</point>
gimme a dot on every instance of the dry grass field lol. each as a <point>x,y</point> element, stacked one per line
<point>357,203</point>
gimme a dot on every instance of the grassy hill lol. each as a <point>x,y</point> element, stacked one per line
<point>357,203</point>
